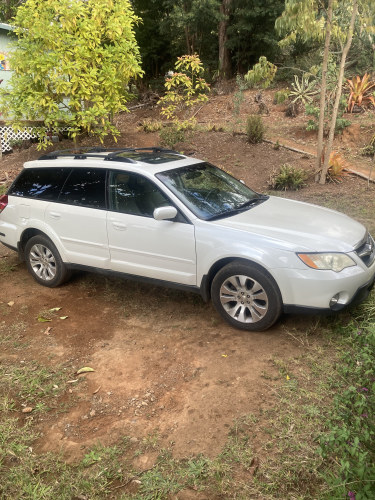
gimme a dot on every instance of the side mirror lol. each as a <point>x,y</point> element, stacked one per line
<point>165,213</point>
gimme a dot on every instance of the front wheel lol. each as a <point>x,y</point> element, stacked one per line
<point>246,296</point>
<point>44,262</point>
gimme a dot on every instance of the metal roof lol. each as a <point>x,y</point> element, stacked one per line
<point>6,27</point>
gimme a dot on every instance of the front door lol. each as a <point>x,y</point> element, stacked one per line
<point>141,245</point>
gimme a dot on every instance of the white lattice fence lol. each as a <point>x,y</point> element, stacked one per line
<point>8,134</point>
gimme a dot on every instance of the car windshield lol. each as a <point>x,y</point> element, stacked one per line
<point>209,192</point>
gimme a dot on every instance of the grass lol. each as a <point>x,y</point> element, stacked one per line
<point>8,264</point>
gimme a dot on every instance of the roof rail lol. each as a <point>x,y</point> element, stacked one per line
<point>113,153</point>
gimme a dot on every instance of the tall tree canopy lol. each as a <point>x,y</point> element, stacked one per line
<point>228,35</point>
<point>72,62</point>
<point>8,9</point>
<point>251,32</point>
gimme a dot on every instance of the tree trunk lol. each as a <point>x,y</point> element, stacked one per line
<point>324,87</point>
<point>338,94</point>
<point>187,41</point>
<point>224,57</point>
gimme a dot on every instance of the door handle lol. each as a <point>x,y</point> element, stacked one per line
<point>55,215</point>
<point>119,226</point>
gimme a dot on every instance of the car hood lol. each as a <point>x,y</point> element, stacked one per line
<point>298,225</point>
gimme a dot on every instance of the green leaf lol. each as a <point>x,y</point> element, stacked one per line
<point>85,369</point>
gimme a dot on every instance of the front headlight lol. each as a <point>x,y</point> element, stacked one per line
<point>332,261</point>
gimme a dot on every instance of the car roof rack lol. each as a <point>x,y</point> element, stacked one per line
<point>97,152</point>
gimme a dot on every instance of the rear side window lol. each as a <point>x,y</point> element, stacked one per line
<point>85,188</point>
<point>41,183</point>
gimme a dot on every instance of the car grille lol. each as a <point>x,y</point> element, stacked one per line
<point>366,250</point>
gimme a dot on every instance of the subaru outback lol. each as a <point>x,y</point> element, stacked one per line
<point>157,215</point>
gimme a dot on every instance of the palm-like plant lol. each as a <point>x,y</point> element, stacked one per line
<point>303,90</point>
<point>360,92</point>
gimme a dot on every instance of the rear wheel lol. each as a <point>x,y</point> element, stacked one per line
<point>246,296</point>
<point>44,262</point>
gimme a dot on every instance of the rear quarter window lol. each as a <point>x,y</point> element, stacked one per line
<point>40,183</point>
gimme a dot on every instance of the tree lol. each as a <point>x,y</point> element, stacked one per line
<point>185,87</point>
<point>72,63</point>
<point>251,32</point>
<point>325,20</point>
<point>192,27</point>
<point>154,45</point>
<point>8,9</point>
<point>225,68</point>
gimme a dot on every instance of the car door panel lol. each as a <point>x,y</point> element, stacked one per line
<point>141,245</point>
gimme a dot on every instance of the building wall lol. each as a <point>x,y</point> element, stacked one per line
<point>5,72</point>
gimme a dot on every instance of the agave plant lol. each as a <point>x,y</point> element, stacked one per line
<point>303,90</point>
<point>360,92</point>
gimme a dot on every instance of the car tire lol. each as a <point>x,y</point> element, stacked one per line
<point>246,296</point>
<point>44,262</point>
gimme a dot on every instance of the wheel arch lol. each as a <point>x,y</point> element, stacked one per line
<point>215,268</point>
<point>27,234</point>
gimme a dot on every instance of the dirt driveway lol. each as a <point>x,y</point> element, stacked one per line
<point>165,363</point>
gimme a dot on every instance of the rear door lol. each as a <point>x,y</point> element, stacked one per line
<point>79,217</point>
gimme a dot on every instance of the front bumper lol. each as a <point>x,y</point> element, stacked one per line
<point>361,294</point>
<point>324,290</point>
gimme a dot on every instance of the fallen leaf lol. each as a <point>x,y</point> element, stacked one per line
<point>72,381</point>
<point>47,331</point>
<point>54,309</point>
<point>287,377</point>
<point>224,355</point>
<point>85,369</point>
<point>64,317</point>
<point>97,390</point>
<point>11,303</point>
<point>43,320</point>
<point>28,409</point>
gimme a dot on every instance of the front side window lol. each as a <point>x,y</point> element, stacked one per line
<point>41,183</point>
<point>85,187</point>
<point>133,194</point>
<point>208,191</point>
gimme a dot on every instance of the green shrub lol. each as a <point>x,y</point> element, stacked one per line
<point>288,177</point>
<point>255,129</point>
<point>369,149</point>
<point>170,136</point>
<point>280,96</point>
<point>262,74</point>
<point>149,125</point>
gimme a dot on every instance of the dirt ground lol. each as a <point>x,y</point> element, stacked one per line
<point>165,364</point>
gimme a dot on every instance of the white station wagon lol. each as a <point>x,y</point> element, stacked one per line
<point>156,215</point>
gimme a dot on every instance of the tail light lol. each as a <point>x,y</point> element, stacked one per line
<point>3,202</point>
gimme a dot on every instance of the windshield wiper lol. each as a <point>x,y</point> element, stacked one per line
<point>249,203</point>
<point>252,202</point>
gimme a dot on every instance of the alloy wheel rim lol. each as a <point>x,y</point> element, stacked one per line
<point>244,299</point>
<point>43,262</point>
